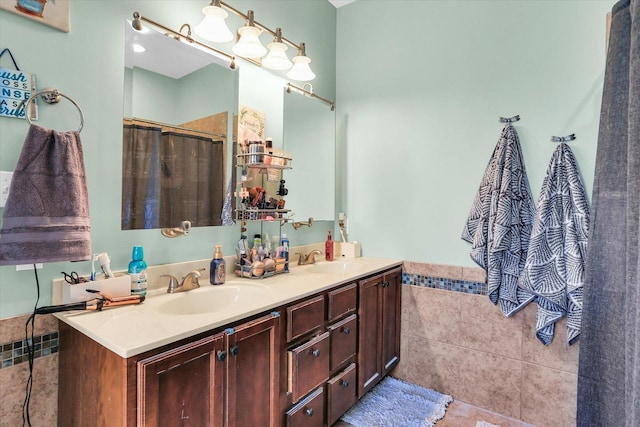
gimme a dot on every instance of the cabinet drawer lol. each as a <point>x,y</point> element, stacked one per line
<point>343,341</point>
<point>309,412</point>
<point>305,317</point>
<point>341,393</point>
<point>308,366</point>
<point>342,301</point>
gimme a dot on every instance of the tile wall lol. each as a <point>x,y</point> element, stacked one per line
<point>454,340</point>
<point>14,371</point>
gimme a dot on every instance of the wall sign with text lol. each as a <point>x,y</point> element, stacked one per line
<point>15,87</point>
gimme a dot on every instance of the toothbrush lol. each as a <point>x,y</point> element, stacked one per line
<point>93,268</point>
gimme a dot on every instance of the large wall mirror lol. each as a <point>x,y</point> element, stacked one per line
<point>309,135</point>
<point>179,137</point>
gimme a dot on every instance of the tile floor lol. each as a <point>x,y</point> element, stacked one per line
<point>461,414</point>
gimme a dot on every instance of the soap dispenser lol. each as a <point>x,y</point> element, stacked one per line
<point>328,247</point>
<point>217,273</point>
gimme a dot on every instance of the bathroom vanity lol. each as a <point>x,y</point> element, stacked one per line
<point>297,350</point>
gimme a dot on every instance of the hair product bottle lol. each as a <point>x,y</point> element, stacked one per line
<point>328,248</point>
<point>217,272</point>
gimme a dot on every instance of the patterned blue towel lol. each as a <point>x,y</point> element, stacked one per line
<point>500,221</point>
<point>554,271</point>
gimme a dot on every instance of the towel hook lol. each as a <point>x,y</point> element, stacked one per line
<point>510,119</point>
<point>563,138</point>
<point>50,96</point>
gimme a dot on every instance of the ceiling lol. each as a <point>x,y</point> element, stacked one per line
<point>339,3</point>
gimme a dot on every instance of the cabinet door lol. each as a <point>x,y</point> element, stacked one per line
<point>369,334</point>
<point>391,299</point>
<point>183,386</point>
<point>254,372</point>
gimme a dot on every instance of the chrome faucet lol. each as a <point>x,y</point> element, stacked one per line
<point>189,282</point>
<point>310,258</point>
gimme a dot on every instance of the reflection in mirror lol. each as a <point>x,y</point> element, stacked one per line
<point>178,134</point>
<point>309,135</point>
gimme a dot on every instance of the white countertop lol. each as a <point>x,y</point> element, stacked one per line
<point>131,330</point>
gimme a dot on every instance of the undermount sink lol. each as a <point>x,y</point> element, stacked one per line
<point>334,267</point>
<point>209,299</point>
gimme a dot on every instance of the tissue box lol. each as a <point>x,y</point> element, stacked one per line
<point>348,249</point>
<point>118,286</point>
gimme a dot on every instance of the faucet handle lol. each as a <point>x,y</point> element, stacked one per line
<point>173,282</point>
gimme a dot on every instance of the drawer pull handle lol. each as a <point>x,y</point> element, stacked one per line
<point>234,350</point>
<point>221,355</point>
<point>309,412</point>
<point>345,383</point>
<point>316,352</point>
<point>347,331</point>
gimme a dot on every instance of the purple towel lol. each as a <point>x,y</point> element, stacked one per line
<point>46,217</point>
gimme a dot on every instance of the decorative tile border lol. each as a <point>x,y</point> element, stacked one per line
<point>14,353</point>
<point>456,285</point>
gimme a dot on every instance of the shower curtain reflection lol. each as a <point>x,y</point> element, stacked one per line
<point>169,177</point>
<point>141,177</point>
<point>192,180</point>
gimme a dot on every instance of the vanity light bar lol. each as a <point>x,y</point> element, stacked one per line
<point>137,25</point>
<point>258,25</point>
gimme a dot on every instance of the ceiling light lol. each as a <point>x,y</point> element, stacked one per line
<point>301,70</point>
<point>277,58</point>
<point>249,45</point>
<point>138,48</point>
<point>213,27</point>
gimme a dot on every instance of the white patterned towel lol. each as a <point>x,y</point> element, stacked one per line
<point>554,271</point>
<point>500,221</point>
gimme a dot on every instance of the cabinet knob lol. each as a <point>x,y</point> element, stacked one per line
<point>309,412</point>
<point>234,350</point>
<point>221,355</point>
<point>345,383</point>
<point>346,331</point>
<point>316,352</point>
<point>385,284</point>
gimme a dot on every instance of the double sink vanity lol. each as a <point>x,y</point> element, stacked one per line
<point>296,349</point>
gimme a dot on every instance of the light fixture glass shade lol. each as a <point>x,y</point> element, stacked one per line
<point>249,45</point>
<point>277,58</point>
<point>213,27</point>
<point>301,70</point>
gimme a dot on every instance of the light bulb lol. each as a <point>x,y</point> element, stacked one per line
<point>249,45</point>
<point>213,27</point>
<point>277,58</point>
<point>301,70</point>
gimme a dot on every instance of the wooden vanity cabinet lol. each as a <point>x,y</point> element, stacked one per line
<point>379,327</point>
<point>230,378</point>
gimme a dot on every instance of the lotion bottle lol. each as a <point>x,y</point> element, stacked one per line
<point>328,248</point>
<point>217,273</point>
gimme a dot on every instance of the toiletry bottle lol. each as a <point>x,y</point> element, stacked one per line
<point>268,149</point>
<point>284,242</point>
<point>217,272</point>
<point>257,241</point>
<point>328,248</point>
<point>138,272</point>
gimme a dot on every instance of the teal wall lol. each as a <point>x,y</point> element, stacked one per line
<point>88,64</point>
<point>420,87</point>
